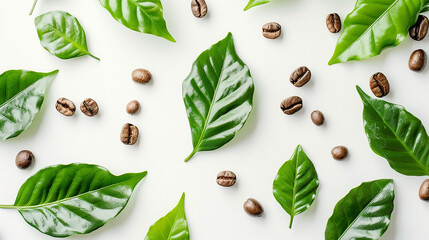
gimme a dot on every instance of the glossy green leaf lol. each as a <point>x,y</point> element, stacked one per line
<point>254,3</point>
<point>296,184</point>
<point>374,25</point>
<point>396,135</point>
<point>73,199</point>
<point>172,226</point>
<point>62,35</point>
<point>364,213</point>
<point>21,98</point>
<point>425,8</point>
<point>145,16</point>
<point>218,96</point>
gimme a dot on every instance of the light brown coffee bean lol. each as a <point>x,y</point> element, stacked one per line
<point>317,117</point>
<point>379,85</point>
<point>419,30</point>
<point>65,107</point>
<point>24,159</point>
<point>300,76</point>
<point>199,8</point>
<point>417,60</point>
<point>271,30</point>
<point>226,178</point>
<point>129,134</point>
<point>339,152</point>
<point>424,190</point>
<point>291,105</point>
<point>333,22</point>
<point>253,207</point>
<point>141,75</point>
<point>133,107</point>
<point>89,107</point>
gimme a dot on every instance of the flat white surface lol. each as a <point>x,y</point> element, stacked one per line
<point>255,154</point>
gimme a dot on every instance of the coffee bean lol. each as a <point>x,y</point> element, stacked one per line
<point>379,85</point>
<point>65,106</point>
<point>23,159</point>
<point>141,75</point>
<point>419,30</point>
<point>226,178</point>
<point>199,8</point>
<point>89,107</point>
<point>271,30</point>
<point>291,105</point>
<point>317,117</point>
<point>339,152</point>
<point>333,22</point>
<point>253,207</point>
<point>129,134</point>
<point>424,190</point>
<point>300,76</point>
<point>133,107</point>
<point>417,60</point>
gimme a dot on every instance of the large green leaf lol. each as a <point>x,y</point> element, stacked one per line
<point>374,25</point>
<point>21,97</point>
<point>396,135</point>
<point>139,15</point>
<point>172,226</point>
<point>218,96</point>
<point>254,3</point>
<point>62,35</point>
<point>364,213</point>
<point>73,199</point>
<point>296,184</point>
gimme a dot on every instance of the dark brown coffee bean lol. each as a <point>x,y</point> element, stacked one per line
<point>291,105</point>
<point>199,8</point>
<point>417,60</point>
<point>253,207</point>
<point>317,117</point>
<point>333,22</point>
<point>419,30</point>
<point>271,30</point>
<point>300,76</point>
<point>379,85</point>
<point>89,107</point>
<point>226,178</point>
<point>133,107</point>
<point>339,152</point>
<point>24,159</point>
<point>424,190</point>
<point>65,106</point>
<point>129,134</point>
<point>141,75</point>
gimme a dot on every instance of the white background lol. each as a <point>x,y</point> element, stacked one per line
<point>255,154</point>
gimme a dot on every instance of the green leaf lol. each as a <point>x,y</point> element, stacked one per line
<point>425,8</point>
<point>374,25</point>
<point>73,199</point>
<point>396,135</point>
<point>254,3</point>
<point>62,35</point>
<point>364,213</point>
<point>172,226</point>
<point>21,98</point>
<point>143,16</point>
<point>218,96</point>
<point>296,184</point>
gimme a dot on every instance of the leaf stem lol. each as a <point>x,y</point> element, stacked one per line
<point>291,221</point>
<point>8,206</point>
<point>191,155</point>
<point>32,8</point>
<point>93,56</point>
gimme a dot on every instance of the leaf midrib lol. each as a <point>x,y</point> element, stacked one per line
<point>77,45</point>
<point>175,220</point>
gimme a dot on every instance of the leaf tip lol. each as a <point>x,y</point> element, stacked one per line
<point>361,93</point>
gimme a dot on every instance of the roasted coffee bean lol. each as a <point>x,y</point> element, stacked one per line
<point>253,207</point>
<point>129,134</point>
<point>333,22</point>
<point>424,190</point>
<point>89,107</point>
<point>379,85</point>
<point>317,117</point>
<point>65,106</point>
<point>417,60</point>
<point>339,152</point>
<point>199,8</point>
<point>226,178</point>
<point>300,76</point>
<point>419,30</point>
<point>291,105</point>
<point>133,107</point>
<point>271,30</point>
<point>24,159</point>
<point>141,75</point>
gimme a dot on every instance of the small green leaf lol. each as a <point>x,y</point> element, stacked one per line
<point>296,184</point>
<point>21,98</point>
<point>62,35</point>
<point>218,96</point>
<point>172,226</point>
<point>364,213</point>
<point>254,3</point>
